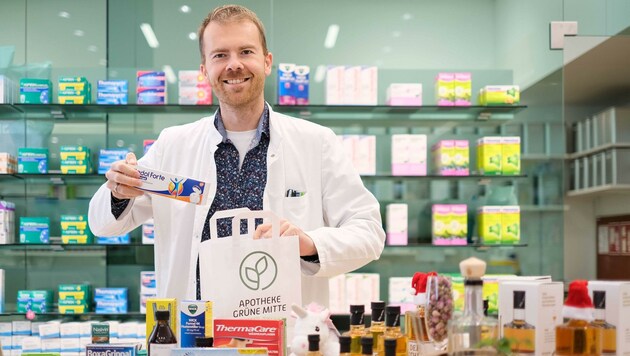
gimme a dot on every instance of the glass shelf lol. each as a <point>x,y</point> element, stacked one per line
<point>604,189</point>
<point>63,109</point>
<point>438,177</point>
<point>57,178</point>
<point>396,250</point>
<point>82,315</point>
<point>70,247</point>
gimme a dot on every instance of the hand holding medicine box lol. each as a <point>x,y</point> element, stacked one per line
<point>171,186</point>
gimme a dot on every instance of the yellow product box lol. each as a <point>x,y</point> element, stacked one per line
<point>74,153</point>
<point>489,155</point>
<point>195,318</point>
<point>155,304</point>
<point>73,99</point>
<point>511,155</point>
<point>510,224</point>
<point>68,295</point>
<point>76,239</point>
<point>73,309</point>
<point>500,95</point>
<point>489,222</point>
<point>75,169</point>
<point>77,86</point>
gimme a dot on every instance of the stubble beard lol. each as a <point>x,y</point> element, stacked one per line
<point>242,98</point>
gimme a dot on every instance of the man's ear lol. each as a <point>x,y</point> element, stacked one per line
<point>268,63</point>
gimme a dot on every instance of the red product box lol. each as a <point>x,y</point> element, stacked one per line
<point>251,333</point>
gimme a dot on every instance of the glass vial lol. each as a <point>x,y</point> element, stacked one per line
<point>392,331</point>
<point>366,346</point>
<point>162,339</point>
<point>609,331</point>
<point>390,347</point>
<point>377,323</point>
<point>522,334</point>
<point>344,345</point>
<point>357,328</point>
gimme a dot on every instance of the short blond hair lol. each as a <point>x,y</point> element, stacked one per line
<point>230,13</point>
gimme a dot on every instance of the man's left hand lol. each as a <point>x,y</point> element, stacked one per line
<point>307,247</point>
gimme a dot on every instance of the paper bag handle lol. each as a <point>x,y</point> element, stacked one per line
<point>222,215</point>
<point>251,216</point>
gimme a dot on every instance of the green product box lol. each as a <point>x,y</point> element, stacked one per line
<point>37,306</point>
<point>77,153</point>
<point>85,288</point>
<point>489,155</point>
<point>32,160</point>
<point>34,230</point>
<point>77,239</point>
<point>74,222</point>
<point>73,92</point>
<point>489,222</point>
<point>73,79</point>
<point>501,95</point>
<point>70,302</point>
<point>35,294</point>
<point>510,225</point>
<point>76,162</point>
<point>511,155</point>
<point>35,91</point>
<point>100,333</point>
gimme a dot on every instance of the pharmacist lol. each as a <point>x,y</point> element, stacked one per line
<point>250,156</point>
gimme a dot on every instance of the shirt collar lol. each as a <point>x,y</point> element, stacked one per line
<point>263,126</point>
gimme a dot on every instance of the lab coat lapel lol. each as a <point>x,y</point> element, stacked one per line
<point>273,196</point>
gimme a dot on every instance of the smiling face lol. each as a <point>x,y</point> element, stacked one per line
<point>235,63</point>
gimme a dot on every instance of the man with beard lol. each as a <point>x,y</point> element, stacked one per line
<point>250,157</point>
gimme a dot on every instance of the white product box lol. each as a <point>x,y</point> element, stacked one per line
<point>397,224</point>
<point>400,293</point>
<point>32,344</point>
<point>338,303</point>
<point>141,330</point>
<point>49,330</point>
<point>16,341</point>
<point>362,289</point>
<point>84,341</point>
<point>367,85</point>
<point>190,78</point>
<point>35,327</point>
<point>409,155</point>
<point>171,185</point>
<point>613,306</point>
<point>21,327</point>
<point>540,304</point>
<point>2,288</point>
<point>127,330</point>
<point>404,94</point>
<point>364,157</point>
<point>51,345</point>
<point>6,329</point>
<point>350,93</point>
<point>70,330</point>
<point>5,342</point>
<point>70,345</point>
<point>85,329</point>
<point>148,232</point>
<point>148,283</point>
<point>334,85</point>
<point>114,327</point>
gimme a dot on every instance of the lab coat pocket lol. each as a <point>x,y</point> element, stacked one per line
<point>295,208</point>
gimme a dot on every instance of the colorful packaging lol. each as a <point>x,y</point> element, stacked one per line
<point>445,89</point>
<point>171,186</point>
<point>32,160</point>
<point>462,88</point>
<point>301,84</point>
<point>286,82</point>
<point>489,155</point>
<point>457,229</point>
<point>404,94</point>
<point>443,153</point>
<point>499,95</point>
<point>35,91</point>
<point>251,334</point>
<point>195,317</point>
<point>461,158</point>
<point>510,225</point>
<point>511,155</point>
<point>440,220</point>
<point>397,224</point>
<point>155,304</point>
<point>489,222</point>
<point>34,230</point>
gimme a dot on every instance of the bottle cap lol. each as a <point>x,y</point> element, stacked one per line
<point>344,344</point>
<point>366,345</point>
<point>204,342</point>
<point>390,347</point>
<point>313,342</point>
<point>519,299</point>
<point>162,315</point>
<point>392,315</point>
<point>599,299</point>
<point>472,268</point>
<point>378,309</point>
<point>356,314</point>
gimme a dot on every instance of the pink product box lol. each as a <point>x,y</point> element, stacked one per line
<point>449,224</point>
<point>195,96</point>
<point>404,94</point>
<point>409,155</point>
<point>191,78</point>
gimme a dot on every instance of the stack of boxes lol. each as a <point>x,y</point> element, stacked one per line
<point>7,222</point>
<point>34,230</point>
<point>35,91</point>
<point>8,163</point>
<point>39,301</point>
<point>108,156</point>
<point>353,288</point>
<point>75,160</point>
<point>74,298</point>
<point>409,155</point>
<point>451,158</point>
<point>112,92</point>
<point>499,155</point>
<point>293,84</point>
<point>111,300</point>
<point>453,89</point>
<point>6,90</point>
<point>194,89</point>
<point>352,85</point>
<point>397,224</point>
<point>75,230</point>
<point>32,160</point>
<point>74,90</point>
<point>499,224</point>
<point>148,290</point>
<point>450,224</point>
<point>150,88</point>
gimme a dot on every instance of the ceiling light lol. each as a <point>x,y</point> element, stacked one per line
<point>170,74</point>
<point>185,9</point>
<point>331,36</point>
<point>102,62</point>
<point>387,49</point>
<point>64,14</point>
<point>407,16</point>
<point>149,35</point>
<point>320,73</point>
<point>396,34</point>
<point>79,33</point>
<point>192,36</point>
<point>92,48</point>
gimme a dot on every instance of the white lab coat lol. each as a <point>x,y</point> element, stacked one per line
<point>337,212</point>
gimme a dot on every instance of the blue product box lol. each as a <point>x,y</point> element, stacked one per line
<point>301,85</point>
<point>111,306</point>
<point>286,82</point>
<point>150,79</point>
<point>107,157</point>
<point>110,294</point>
<point>111,98</point>
<point>151,96</point>
<point>111,349</point>
<point>114,240</point>
<point>112,86</point>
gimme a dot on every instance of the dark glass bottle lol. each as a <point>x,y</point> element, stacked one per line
<point>390,347</point>
<point>344,345</point>
<point>162,339</point>
<point>313,345</point>
<point>204,342</point>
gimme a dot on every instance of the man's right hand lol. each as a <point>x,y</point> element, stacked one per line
<point>123,178</point>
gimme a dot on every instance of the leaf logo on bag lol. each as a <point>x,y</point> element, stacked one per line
<point>258,270</point>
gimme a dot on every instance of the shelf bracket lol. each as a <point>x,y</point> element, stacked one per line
<point>57,114</point>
